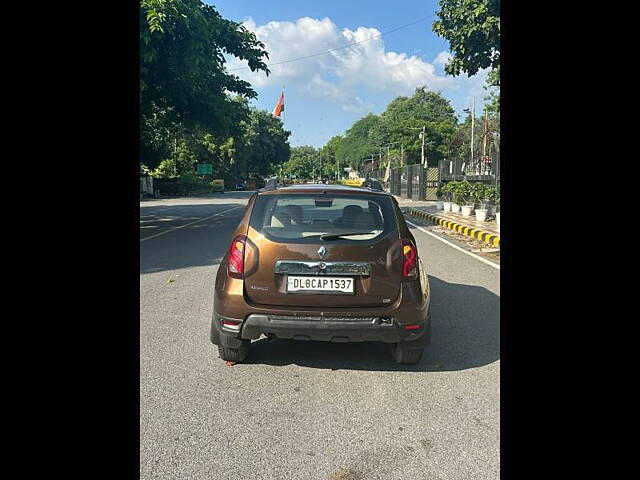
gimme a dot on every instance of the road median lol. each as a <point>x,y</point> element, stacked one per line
<point>457,225</point>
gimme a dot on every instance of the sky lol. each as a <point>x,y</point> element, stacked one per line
<point>326,94</point>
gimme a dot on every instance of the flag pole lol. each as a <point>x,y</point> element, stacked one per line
<point>284,113</point>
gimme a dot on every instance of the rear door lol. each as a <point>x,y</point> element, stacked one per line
<point>287,263</point>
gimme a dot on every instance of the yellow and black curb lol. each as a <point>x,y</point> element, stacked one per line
<point>486,237</point>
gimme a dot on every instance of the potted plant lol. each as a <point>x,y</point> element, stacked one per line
<point>439,196</point>
<point>447,191</point>
<point>457,192</point>
<point>467,197</point>
<point>480,192</point>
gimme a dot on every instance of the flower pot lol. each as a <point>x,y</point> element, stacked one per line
<point>498,218</point>
<point>481,214</point>
<point>446,206</point>
<point>439,205</point>
<point>466,210</point>
<point>455,208</point>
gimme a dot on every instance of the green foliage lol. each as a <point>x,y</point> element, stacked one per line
<point>479,192</point>
<point>464,191</point>
<point>331,166</point>
<point>303,163</point>
<point>472,28</point>
<point>182,64</point>
<point>399,125</point>
<point>447,190</point>
<point>358,142</point>
<point>405,116</point>
<point>264,144</point>
<point>461,192</point>
<point>188,110</point>
<point>493,195</point>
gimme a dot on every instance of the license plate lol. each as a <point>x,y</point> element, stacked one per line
<point>320,284</point>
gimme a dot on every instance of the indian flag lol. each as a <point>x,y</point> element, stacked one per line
<point>279,106</point>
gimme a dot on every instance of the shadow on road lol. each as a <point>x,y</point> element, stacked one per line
<point>465,334</point>
<point>203,243</point>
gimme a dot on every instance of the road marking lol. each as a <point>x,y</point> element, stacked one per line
<point>186,225</point>
<point>483,260</point>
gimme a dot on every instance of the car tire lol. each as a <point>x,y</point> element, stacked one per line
<point>406,354</point>
<point>235,354</point>
<point>214,335</point>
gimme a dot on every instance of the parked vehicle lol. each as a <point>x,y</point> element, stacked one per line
<point>218,185</point>
<point>241,186</point>
<point>322,262</point>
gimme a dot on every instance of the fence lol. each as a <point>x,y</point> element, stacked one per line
<point>409,181</point>
<point>484,169</point>
<point>416,182</point>
<point>146,185</point>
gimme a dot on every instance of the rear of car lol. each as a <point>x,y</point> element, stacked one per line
<point>217,185</point>
<point>325,263</point>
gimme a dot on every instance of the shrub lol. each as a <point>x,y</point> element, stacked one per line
<point>447,190</point>
<point>479,193</point>
<point>493,194</point>
<point>461,192</point>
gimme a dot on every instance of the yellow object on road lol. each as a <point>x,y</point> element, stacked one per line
<point>218,185</point>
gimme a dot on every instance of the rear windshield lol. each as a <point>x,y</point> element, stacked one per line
<point>303,218</point>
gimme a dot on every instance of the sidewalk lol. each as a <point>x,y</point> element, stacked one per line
<point>487,232</point>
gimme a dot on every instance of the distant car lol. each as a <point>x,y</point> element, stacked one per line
<point>241,186</point>
<point>218,185</point>
<point>326,263</point>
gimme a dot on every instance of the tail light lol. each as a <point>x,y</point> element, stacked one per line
<point>409,259</point>
<point>235,267</point>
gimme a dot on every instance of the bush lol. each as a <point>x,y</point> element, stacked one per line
<point>447,190</point>
<point>460,192</point>
<point>186,184</point>
<point>493,195</point>
<point>479,193</point>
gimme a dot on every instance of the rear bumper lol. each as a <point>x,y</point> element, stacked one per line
<point>338,329</point>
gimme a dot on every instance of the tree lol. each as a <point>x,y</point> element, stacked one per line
<point>359,141</point>
<point>302,164</point>
<point>328,154</point>
<point>183,81</point>
<point>405,117</point>
<point>472,28</point>
<point>265,143</point>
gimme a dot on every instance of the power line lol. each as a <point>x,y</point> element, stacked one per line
<point>342,47</point>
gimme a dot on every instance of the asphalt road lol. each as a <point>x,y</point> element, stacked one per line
<point>304,410</point>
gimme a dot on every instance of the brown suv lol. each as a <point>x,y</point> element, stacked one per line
<point>322,262</point>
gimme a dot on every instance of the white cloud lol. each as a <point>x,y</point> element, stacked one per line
<point>338,75</point>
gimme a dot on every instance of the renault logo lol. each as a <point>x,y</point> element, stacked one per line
<point>322,251</point>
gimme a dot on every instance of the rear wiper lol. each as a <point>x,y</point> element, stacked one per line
<point>334,236</point>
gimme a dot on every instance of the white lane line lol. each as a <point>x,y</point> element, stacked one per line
<point>186,225</point>
<point>483,260</point>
